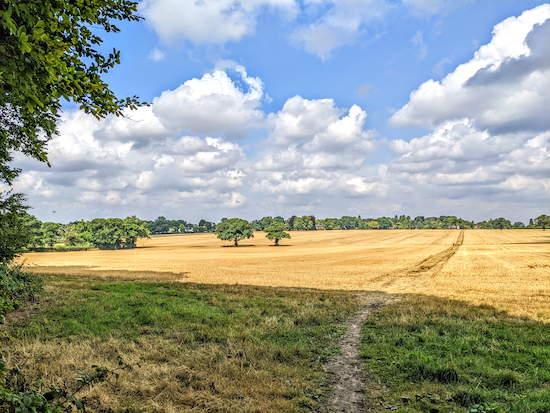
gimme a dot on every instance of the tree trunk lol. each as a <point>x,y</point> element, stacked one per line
<point>276,242</point>
<point>236,245</point>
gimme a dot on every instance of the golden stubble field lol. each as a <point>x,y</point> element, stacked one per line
<point>508,269</point>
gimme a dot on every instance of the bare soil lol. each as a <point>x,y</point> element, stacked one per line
<point>349,382</point>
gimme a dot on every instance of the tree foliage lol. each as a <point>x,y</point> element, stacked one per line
<point>49,53</point>
<point>113,233</point>
<point>234,229</point>
<point>14,229</point>
<point>276,231</point>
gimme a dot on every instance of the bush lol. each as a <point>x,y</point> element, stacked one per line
<point>16,287</point>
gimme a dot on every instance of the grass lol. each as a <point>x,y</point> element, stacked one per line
<point>439,355</point>
<point>201,347</point>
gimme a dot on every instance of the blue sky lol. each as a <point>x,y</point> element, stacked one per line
<point>282,107</point>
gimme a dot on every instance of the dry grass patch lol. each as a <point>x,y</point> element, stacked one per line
<point>201,348</point>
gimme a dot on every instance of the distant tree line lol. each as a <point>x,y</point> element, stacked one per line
<point>161,225</point>
<point>21,231</point>
<point>309,223</point>
<point>108,234</point>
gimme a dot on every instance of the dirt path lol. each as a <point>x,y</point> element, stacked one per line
<point>349,380</point>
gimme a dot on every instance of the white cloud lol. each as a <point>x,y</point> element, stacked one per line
<point>339,26</point>
<point>209,21</point>
<point>506,86</point>
<point>157,55</point>
<point>418,41</point>
<point>340,134</point>
<point>364,89</point>
<point>211,104</point>
<point>429,7</point>
<point>300,119</point>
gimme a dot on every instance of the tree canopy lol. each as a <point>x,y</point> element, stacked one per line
<point>113,233</point>
<point>14,232</point>
<point>234,229</point>
<point>49,52</point>
<point>276,231</point>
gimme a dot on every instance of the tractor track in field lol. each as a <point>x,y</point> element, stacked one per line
<point>430,266</point>
<point>349,382</point>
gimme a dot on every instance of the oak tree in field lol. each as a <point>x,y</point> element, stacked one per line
<point>234,229</point>
<point>276,231</point>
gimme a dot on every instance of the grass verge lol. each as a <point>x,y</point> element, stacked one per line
<point>428,354</point>
<point>201,347</point>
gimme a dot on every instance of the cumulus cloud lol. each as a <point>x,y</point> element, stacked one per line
<point>300,119</point>
<point>209,21</point>
<point>316,136</point>
<point>505,87</point>
<point>490,138</point>
<point>211,104</point>
<point>123,161</point>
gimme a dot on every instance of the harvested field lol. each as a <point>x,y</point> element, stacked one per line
<point>346,260</point>
<point>508,269</point>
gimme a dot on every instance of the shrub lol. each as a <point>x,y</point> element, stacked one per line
<point>16,287</point>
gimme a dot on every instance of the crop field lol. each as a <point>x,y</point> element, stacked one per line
<point>509,269</point>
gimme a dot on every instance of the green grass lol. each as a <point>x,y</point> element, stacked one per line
<point>229,340</point>
<point>437,355</point>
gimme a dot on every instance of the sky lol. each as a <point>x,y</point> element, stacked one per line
<point>299,107</point>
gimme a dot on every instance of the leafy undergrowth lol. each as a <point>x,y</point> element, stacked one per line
<point>428,354</point>
<point>16,287</point>
<point>200,347</point>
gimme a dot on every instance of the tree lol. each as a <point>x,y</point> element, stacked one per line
<point>34,230</point>
<point>290,223</point>
<point>48,53</point>
<point>234,229</point>
<point>384,223</point>
<point>542,221</point>
<point>13,227</point>
<point>132,229</point>
<point>70,235</point>
<point>276,231</point>
<point>51,233</point>
<point>347,222</point>
<point>265,222</point>
<point>500,223</point>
